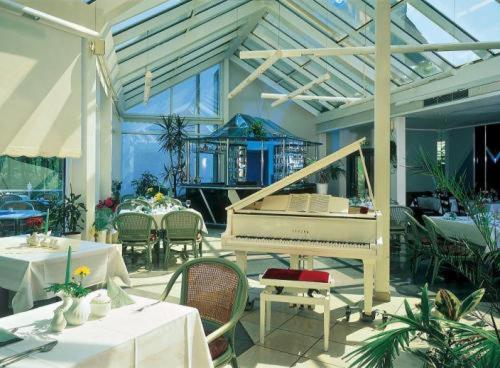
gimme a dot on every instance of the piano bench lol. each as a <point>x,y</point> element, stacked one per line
<point>299,285</point>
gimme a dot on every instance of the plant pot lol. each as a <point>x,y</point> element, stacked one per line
<point>322,188</point>
<point>73,235</point>
<point>79,312</point>
<point>101,236</point>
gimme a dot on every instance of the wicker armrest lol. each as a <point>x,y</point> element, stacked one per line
<point>222,330</point>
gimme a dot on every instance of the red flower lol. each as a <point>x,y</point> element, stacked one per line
<point>108,202</point>
<point>34,221</point>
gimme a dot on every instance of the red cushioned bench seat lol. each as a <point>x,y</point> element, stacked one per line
<point>296,275</point>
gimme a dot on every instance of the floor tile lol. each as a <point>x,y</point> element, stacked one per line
<point>289,342</point>
<point>309,363</point>
<point>334,356</point>
<point>305,326</point>
<point>261,357</point>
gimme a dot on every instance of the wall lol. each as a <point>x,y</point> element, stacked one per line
<point>289,115</point>
<point>460,146</point>
<point>417,140</point>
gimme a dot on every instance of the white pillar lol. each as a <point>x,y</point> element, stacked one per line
<point>225,90</point>
<point>382,134</point>
<point>399,174</point>
<point>116,165</point>
<point>82,171</point>
<point>106,144</point>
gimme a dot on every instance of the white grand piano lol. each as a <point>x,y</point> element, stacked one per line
<point>306,224</point>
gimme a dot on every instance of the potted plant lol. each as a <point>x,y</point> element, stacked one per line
<point>145,184</point>
<point>102,220</point>
<point>332,172</point>
<point>66,215</point>
<point>172,140</point>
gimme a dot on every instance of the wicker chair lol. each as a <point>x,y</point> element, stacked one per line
<point>398,222</point>
<point>134,229</point>
<point>443,247</point>
<point>175,201</point>
<point>132,204</point>
<point>126,197</point>
<point>9,198</point>
<point>218,289</point>
<point>418,243</point>
<point>17,205</point>
<point>181,227</point>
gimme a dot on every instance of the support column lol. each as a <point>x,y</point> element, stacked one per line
<point>116,163</point>
<point>382,134</point>
<point>106,145</point>
<point>225,90</point>
<point>399,182</point>
<point>82,171</point>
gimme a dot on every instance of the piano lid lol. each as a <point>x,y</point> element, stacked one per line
<point>306,171</point>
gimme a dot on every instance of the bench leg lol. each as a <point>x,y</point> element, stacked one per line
<point>294,261</point>
<point>268,316</point>
<point>262,326</point>
<point>310,263</point>
<point>326,321</point>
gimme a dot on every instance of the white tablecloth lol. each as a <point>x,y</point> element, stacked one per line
<point>158,214</point>
<point>27,270</point>
<point>462,228</point>
<point>163,335</point>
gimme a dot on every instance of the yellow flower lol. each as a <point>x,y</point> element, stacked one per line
<point>82,271</point>
<point>159,197</point>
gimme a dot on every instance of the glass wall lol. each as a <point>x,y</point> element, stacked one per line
<point>32,178</point>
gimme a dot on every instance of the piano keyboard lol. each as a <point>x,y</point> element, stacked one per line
<point>314,243</point>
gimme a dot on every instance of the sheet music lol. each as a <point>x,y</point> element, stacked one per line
<point>298,203</point>
<point>338,205</point>
<point>275,203</point>
<point>319,203</point>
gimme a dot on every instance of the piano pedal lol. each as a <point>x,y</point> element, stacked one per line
<point>367,317</point>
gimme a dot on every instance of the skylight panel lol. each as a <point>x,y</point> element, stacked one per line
<point>480,18</point>
<point>139,18</point>
<point>425,31</point>
<point>351,12</point>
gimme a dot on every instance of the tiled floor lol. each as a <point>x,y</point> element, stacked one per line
<point>296,336</point>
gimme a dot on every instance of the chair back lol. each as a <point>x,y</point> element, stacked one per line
<point>126,197</point>
<point>433,231</point>
<point>175,201</point>
<point>17,205</point>
<point>132,204</point>
<point>398,215</point>
<point>415,232</point>
<point>9,198</point>
<point>216,287</point>
<point>181,225</point>
<point>134,227</point>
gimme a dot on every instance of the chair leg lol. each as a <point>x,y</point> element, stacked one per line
<point>234,362</point>
<point>200,253</point>
<point>195,249</point>
<point>262,325</point>
<point>149,251</point>
<point>166,246</point>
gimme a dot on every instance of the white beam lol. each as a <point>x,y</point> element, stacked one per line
<point>382,133</point>
<point>255,74</point>
<point>270,83</point>
<point>335,99</point>
<point>245,31</point>
<point>366,50</point>
<point>300,90</point>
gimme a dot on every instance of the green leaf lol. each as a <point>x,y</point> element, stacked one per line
<point>424,305</point>
<point>470,303</point>
<point>409,312</point>
<point>447,304</point>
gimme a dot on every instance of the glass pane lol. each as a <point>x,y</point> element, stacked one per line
<point>184,97</point>
<point>139,127</point>
<point>32,177</point>
<point>480,18</point>
<point>425,31</point>
<point>352,12</point>
<point>157,105</point>
<point>209,91</point>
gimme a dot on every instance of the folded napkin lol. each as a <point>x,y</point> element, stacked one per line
<point>7,337</point>
<point>119,298</point>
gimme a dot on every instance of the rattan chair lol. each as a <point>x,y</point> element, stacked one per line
<point>134,229</point>
<point>443,247</point>
<point>218,289</point>
<point>182,227</point>
<point>419,244</point>
<point>126,197</point>
<point>398,222</point>
<point>175,201</point>
<point>132,204</point>
<point>9,198</point>
<point>17,205</point>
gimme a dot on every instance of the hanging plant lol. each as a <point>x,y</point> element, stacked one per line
<point>257,129</point>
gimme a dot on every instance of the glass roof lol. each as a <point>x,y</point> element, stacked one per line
<point>288,24</point>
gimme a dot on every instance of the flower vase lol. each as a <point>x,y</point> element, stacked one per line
<point>79,311</point>
<point>66,300</point>
<point>58,322</point>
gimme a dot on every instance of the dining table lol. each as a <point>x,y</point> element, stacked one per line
<point>16,217</point>
<point>463,227</point>
<point>162,334</point>
<point>26,271</point>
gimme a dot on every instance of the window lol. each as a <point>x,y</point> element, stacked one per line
<point>33,177</point>
<point>441,152</point>
<point>198,95</point>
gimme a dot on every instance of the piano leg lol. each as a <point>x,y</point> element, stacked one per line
<point>368,268</point>
<point>241,260</point>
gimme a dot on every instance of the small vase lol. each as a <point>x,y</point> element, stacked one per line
<point>58,322</point>
<point>66,300</point>
<point>79,312</point>
<point>101,236</point>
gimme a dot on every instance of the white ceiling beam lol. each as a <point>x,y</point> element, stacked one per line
<point>300,90</point>
<point>237,16</point>
<point>334,99</point>
<point>178,29</point>
<point>178,61</point>
<point>255,74</point>
<point>270,83</point>
<point>366,50</point>
<point>245,31</point>
<point>178,78</point>
<point>155,22</point>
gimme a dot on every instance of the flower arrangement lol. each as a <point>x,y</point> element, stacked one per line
<point>159,197</point>
<point>35,223</point>
<point>109,202</point>
<point>72,286</point>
